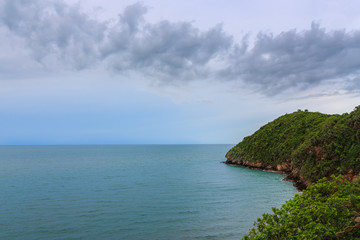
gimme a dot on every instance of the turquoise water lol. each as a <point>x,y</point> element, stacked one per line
<point>131,192</point>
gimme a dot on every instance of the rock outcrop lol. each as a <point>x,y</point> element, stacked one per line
<point>292,174</point>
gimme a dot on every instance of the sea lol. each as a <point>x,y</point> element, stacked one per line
<point>131,192</point>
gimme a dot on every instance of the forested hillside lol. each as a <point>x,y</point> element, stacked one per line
<point>306,145</point>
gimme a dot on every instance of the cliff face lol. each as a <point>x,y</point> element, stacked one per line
<point>305,145</point>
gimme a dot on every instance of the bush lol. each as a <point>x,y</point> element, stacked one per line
<point>323,211</point>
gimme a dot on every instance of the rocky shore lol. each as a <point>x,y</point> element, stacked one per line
<point>293,174</point>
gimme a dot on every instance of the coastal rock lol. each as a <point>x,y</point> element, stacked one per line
<point>284,167</point>
<point>351,175</point>
<point>293,174</point>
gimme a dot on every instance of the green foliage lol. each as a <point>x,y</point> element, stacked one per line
<point>314,144</point>
<point>323,211</point>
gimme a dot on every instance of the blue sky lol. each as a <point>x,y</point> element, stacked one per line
<point>168,72</point>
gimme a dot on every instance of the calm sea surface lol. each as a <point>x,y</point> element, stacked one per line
<point>131,192</point>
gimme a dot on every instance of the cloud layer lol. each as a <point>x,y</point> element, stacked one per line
<point>54,29</point>
<point>178,51</point>
<point>298,59</point>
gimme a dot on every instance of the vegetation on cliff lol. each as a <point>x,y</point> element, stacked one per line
<point>309,146</point>
<point>326,210</point>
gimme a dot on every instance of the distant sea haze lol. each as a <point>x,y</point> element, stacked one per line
<point>131,192</point>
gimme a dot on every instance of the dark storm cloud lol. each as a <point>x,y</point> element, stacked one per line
<point>297,59</point>
<point>175,51</point>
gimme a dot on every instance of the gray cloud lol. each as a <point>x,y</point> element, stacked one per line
<point>54,28</point>
<point>169,51</point>
<point>165,50</point>
<point>297,59</point>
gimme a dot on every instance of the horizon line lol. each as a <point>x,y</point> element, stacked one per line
<point>115,144</point>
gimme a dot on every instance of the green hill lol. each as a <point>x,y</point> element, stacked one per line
<point>306,145</point>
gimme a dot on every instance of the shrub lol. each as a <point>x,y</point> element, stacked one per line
<point>326,210</point>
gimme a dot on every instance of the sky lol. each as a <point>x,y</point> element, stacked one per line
<point>171,72</point>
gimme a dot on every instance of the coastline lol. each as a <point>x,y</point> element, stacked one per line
<point>292,174</point>
<point>284,168</point>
